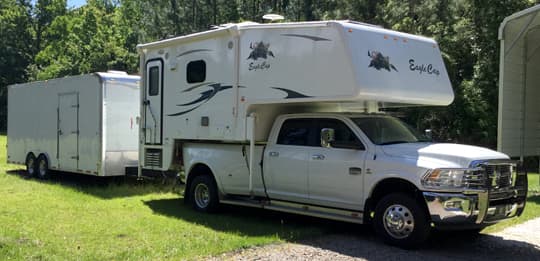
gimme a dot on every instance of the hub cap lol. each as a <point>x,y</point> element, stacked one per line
<point>398,221</point>
<point>202,195</point>
<point>30,166</point>
<point>42,168</point>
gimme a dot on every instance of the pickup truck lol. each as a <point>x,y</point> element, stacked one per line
<point>360,168</point>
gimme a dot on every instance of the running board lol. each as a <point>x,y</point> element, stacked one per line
<point>302,209</point>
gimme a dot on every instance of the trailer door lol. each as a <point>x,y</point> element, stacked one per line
<point>68,131</point>
<point>153,91</point>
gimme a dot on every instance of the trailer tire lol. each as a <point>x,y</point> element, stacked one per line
<point>30,164</point>
<point>203,194</point>
<point>401,221</point>
<point>42,167</point>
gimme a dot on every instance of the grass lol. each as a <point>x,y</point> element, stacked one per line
<point>532,207</point>
<point>79,218</point>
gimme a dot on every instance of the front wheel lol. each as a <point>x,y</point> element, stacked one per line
<point>203,194</point>
<point>401,221</point>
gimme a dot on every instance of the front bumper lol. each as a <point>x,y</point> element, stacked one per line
<point>474,208</point>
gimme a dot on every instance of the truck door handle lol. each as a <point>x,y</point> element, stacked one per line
<point>355,171</point>
<point>317,157</point>
<point>273,154</point>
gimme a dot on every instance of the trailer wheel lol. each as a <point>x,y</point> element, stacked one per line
<point>30,164</point>
<point>42,170</point>
<point>401,221</point>
<point>203,194</point>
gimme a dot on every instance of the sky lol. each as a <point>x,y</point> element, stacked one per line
<point>75,3</point>
<point>71,3</point>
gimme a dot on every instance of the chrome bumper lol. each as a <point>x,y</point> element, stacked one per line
<point>475,208</point>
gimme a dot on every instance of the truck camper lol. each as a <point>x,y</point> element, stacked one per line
<point>288,117</point>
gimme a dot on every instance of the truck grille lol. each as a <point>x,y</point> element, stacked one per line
<point>500,176</point>
<point>152,158</point>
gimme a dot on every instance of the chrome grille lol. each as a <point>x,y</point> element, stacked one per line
<point>500,175</point>
<point>152,158</point>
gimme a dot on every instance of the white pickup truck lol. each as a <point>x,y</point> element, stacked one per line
<point>288,117</point>
<point>361,168</point>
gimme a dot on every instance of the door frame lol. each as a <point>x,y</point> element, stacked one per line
<point>58,147</point>
<point>145,89</point>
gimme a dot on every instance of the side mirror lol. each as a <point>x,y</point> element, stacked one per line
<point>428,134</point>
<point>328,136</point>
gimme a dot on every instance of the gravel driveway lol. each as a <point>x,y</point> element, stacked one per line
<point>521,242</point>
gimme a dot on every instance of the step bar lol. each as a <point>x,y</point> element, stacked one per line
<point>298,208</point>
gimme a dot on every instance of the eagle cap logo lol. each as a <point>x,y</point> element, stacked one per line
<point>259,50</point>
<point>379,61</point>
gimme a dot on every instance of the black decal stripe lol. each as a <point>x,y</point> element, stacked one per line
<point>204,98</point>
<point>310,37</point>
<point>193,51</point>
<point>292,94</point>
<point>197,86</point>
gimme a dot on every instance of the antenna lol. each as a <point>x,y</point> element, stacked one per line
<point>273,17</point>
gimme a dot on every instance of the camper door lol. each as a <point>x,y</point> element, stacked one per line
<point>153,91</point>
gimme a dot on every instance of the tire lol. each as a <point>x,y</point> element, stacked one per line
<point>203,194</point>
<point>42,167</point>
<point>31,164</point>
<point>401,221</point>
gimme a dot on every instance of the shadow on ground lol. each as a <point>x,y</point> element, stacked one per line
<point>350,240</point>
<point>106,187</point>
<point>249,221</point>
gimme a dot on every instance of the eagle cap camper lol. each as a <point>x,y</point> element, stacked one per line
<point>83,124</point>
<point>286,117</point>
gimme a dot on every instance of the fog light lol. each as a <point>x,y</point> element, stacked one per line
<point>452,204</point>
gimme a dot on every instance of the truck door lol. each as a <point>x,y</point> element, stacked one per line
<point>153,93</point>
<point>68,131</point>
<point>286,162</point>
<point>336,173</point>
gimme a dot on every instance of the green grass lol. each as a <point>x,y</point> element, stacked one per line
<point>532,207</point>
<point>67,219</point>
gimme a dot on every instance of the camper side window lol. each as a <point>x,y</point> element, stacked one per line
<point>196,71</point>
<point>153,81</point>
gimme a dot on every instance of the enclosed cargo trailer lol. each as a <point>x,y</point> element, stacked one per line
<point>83,124</point>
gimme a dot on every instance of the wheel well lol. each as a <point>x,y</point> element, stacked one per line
<point>388,186</point>
<point>198,170</point>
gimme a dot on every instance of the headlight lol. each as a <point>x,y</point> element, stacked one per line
<point>452,179</point>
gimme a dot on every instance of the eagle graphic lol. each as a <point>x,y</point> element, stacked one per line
<point>260,50</point>
<point>379,61</point>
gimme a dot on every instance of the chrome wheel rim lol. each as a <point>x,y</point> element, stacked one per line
<point>202,195</point>
<point>30,166</point>
<point>42,168</point>
<point>398,221</point>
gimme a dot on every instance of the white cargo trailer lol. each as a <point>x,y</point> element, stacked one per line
<point>83,124</point>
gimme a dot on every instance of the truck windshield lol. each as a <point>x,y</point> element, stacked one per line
<point>388,130</point>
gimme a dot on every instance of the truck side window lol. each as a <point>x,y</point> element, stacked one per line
<point>298,132</point>
<point>345,137</point>
<point>196,71</point>
<point>153,81</point>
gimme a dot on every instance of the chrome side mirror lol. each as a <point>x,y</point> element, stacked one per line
<point>328,136</point>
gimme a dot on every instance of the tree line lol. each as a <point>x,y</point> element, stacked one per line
<point>46,39</point>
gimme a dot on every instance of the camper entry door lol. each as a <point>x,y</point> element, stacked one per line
<point>153,93</point>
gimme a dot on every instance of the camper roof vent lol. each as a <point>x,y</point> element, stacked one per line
<point>273,17</point>
<point>117,72</point>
